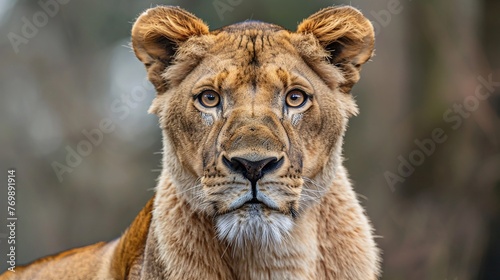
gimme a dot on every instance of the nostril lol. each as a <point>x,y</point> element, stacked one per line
<point>272,165</point>
<point>227,163</point>
<point>233,164</point>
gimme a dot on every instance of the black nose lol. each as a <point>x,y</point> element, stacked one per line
<point>253,170</point>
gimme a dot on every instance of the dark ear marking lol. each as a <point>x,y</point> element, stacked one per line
<point>334,49</point>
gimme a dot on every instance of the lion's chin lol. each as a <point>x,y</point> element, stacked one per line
<point>251,225</point>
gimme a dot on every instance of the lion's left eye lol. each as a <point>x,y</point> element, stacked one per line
<point>296,98</point>
<point>209,98</point>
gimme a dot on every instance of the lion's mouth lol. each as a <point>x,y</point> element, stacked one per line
<point>248,199</point>
<point>254,200</point>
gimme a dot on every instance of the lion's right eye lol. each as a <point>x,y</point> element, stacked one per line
<point>295,98</point>
<point>209,98</point>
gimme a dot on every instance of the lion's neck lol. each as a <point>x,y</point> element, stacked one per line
<point>182,244</point>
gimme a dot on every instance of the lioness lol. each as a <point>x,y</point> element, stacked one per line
<point>253,185</point>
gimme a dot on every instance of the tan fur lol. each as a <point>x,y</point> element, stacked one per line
<point>308,223</point>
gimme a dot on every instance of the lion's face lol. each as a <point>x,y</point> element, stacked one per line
<point>253,115</point>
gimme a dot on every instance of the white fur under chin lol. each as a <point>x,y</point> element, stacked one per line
<point>253,228</point>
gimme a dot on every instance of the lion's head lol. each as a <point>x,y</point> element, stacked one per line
<point>253,115</point>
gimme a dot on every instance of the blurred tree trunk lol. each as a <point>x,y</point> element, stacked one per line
<point>444,207</point>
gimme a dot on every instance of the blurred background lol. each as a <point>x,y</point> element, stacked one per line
<point>424,151</point>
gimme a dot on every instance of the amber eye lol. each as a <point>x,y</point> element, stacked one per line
<point>295,98</point>
<point>209,98</point>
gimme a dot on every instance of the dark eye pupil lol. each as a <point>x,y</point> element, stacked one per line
<point>296,98</point>
<point>209,98</point>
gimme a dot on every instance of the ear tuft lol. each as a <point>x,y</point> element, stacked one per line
<point>157,34</point>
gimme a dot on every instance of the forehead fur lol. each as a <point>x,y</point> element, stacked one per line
<point>249,24</point>
<point>252,44</point>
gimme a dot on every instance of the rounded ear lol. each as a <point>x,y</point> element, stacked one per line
<point>343,32</point>
<point>156,35</point>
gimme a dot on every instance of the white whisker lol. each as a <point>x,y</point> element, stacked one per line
<point>190,189</point>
